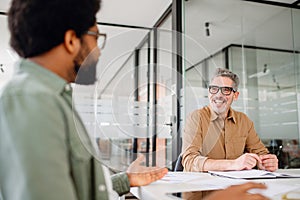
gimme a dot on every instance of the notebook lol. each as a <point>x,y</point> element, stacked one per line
<point>252,174</point>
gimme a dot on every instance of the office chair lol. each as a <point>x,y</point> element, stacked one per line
<point>178,165</point>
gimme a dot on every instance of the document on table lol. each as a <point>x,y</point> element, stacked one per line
<point>252,174</point>
<point>179,177</point>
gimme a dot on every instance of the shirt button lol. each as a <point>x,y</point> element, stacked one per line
<point>101,187</point>
<point>67,87</point>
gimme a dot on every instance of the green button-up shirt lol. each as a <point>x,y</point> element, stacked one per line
<point>45,151</point>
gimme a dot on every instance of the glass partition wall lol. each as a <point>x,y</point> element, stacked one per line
<point>128,111</point>
<point>7,55</point>
<point>260,43</point>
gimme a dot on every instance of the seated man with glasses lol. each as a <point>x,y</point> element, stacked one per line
<point>217,137</point>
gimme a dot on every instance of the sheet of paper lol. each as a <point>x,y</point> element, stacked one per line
<point>245,174</point>
<point>286,175</point>
<point>252,174</point>
<point>178,177</point>
<point>217,183</point>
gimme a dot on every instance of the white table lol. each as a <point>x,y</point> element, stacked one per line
<point>160,189</point>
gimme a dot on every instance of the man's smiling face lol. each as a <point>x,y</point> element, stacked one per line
<point>219,102</point>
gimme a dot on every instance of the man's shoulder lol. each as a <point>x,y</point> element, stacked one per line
<point>27,93</point>
<point>204,110</point>
<point>25,85</point>
<point>201,112</point>
<point>30,79</point>
<point>238,115</point>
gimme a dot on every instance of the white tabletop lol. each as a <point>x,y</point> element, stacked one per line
<point>196,181</point>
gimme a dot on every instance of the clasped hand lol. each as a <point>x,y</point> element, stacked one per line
<point>246,161</point>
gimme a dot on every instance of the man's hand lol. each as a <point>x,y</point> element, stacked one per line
<point>246,161</point>
<point>238,192</point>
<point>269,162</point>
<point>139,175</point>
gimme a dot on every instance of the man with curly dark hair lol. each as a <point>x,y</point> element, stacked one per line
<point>45,151</point>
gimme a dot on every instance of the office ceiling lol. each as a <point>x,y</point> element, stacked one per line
<point>224,17</point>
<point>129,12</point>
<point>238,22</point>
<point>270,27</point>
<point>142,13</point>
<point>121,40</point>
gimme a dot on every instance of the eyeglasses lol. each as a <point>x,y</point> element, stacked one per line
<point>101,38</point>
<point>213,89</point>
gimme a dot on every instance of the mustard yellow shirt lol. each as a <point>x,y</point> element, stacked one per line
<point>208,136</point>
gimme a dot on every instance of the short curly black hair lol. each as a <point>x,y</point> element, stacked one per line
<point>36,26</point>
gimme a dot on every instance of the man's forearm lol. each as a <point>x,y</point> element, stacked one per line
<point>218,165</point>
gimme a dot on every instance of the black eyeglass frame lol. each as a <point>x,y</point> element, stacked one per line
<point>223,89</point>
<point>97,34</point>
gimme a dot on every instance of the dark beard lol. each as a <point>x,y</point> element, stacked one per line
<point>85,73</point>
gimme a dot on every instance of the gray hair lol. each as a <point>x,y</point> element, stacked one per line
<point>226,73</point>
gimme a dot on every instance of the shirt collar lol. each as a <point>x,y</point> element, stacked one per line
<point>52,80</point>
<point>231,114</point>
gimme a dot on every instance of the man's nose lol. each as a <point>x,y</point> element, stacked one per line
<point>219,93</point>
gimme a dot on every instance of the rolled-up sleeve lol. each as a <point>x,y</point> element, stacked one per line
<point>254,143</point>
<point>192,139</point>
<point>120,183</point>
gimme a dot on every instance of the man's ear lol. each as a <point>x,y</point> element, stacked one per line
<point>71,42</point>
<point>236,95</point>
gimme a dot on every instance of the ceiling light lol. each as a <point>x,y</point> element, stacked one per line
<point>207,29</point>
<point>264,72</point>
